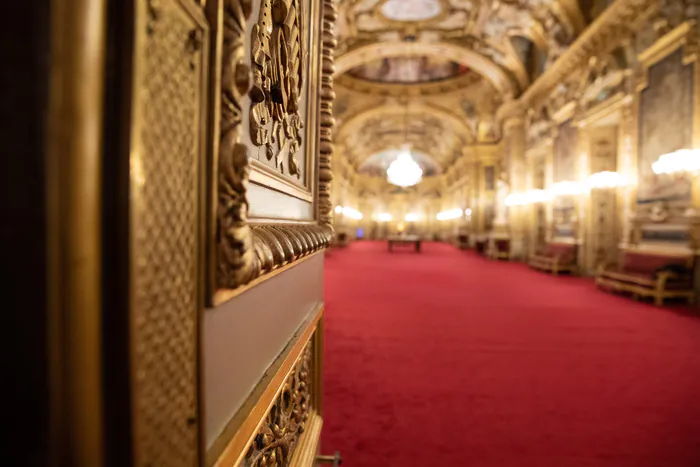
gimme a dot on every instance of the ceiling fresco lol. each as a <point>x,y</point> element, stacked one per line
<point>411,10</point>
<point>377,164</point>
<point>408,70</point>
<point>484,27</point>
<point>433,73</point>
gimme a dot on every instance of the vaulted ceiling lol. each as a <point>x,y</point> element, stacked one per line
<point>431,73</point>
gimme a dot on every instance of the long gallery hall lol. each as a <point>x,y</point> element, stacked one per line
<point>448,358</point>
<point>382,233</point>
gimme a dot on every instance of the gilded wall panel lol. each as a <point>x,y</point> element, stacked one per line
<point>165,172</point>
<point>278,108</point>
<point>275,102</point>
<point>665,125</point>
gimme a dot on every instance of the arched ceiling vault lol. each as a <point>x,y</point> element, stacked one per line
<point>439,134</point>
<point>480,64</point>
<point>443,66</point>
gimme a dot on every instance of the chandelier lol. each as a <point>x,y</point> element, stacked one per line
<point>404,171</point>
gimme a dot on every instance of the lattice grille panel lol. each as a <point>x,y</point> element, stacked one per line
<point>165,215</point>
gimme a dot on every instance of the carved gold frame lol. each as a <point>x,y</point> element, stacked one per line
<point>241,252</point>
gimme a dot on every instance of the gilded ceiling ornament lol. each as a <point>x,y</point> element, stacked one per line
<point>277,52</point>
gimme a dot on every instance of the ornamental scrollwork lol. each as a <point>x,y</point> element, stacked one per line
<point>277,54</point>
<point>279,435</point>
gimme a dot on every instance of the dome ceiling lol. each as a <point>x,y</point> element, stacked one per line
<point>483,29</point>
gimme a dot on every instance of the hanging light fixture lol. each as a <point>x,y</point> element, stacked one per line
<point>404,171</point>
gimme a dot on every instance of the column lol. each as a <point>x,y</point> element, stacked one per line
<point>514,153</point>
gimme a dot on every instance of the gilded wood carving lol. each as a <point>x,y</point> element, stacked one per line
<point>286,421</point>
<point>277,53</point>
<point>325,174</point>
<point>245,251</point>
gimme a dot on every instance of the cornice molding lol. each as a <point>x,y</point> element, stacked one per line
<point>608,30</point>
<point>479,63</point>
<point>445,86</point>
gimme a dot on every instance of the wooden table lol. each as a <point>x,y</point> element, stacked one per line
<point>405,240</point>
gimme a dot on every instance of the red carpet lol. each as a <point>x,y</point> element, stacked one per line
<point>448,359</point>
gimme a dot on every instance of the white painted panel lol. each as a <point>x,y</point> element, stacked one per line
<point>243,337</point>
<point>266,203</point>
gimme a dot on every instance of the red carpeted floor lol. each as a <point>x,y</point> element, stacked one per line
<point>448,359</point>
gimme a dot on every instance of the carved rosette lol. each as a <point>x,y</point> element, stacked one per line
<point>325,176</point>
<point>279,435</point>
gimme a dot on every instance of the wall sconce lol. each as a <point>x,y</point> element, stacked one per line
<point>338,209</point>
<point>528,197</point>
<point>411,217</point>
<point>352,213</point>
<point>683,160</point>
<point>449,215</point>
<point>384,217</point>
<point>567,187</point>
<point>605,179</point>
<point>468,212</point>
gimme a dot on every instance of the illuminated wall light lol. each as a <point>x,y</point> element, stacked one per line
<point>515,199</point>
<point>338,209</point>
<point>385,217</point>
<point>352,213</point>
<point>605,179</point>
<point>683,160</point>
<point>567,187</point>
<point>468,211</point>
<point>527,197</point>
<point>411,217</point>
<point>449,215</point>
<point>538,196</point>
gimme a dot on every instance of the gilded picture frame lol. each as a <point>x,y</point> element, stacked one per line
<point>664,52</point>
<point>249,102</point>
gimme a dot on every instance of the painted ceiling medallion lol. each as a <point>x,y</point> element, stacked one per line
<point>411,10</point>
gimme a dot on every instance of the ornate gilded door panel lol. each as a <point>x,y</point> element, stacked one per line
<point>270,173</point>
<point>165,210</point>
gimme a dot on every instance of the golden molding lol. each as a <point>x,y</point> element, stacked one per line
<point>277,54</point>
<point>251,434</point>
<point>605,33</point>
<point>245,252</point>
<point>327,122</point>
<point>286,420</point>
